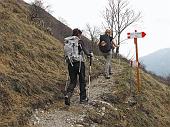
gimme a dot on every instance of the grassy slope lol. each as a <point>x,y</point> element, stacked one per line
<point>31,64</point>
<point>32,71</point>
<point>153,102</point>
<point>151,110</point>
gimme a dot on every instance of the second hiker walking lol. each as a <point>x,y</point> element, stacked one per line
<point>106,44</point>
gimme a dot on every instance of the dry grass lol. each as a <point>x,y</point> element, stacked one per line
<point>152,107</point>
<point>31,68</point>
<point>32,74</point>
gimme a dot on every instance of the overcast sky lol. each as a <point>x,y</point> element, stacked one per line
<point>155,21</point>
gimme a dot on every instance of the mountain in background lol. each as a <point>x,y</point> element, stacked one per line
<point>158,62</point>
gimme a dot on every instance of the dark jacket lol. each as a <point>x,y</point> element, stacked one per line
<point>107,39</point>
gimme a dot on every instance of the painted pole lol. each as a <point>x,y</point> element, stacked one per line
<point>137,67</point>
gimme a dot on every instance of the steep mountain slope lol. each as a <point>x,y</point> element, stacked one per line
<point>30,63</point>
<point>158,62</point>
<point>32,68</point>
<point>33,75</point>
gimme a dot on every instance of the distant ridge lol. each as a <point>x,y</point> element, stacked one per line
<point>158,62</point>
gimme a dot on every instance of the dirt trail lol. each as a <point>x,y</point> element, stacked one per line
<point>72,116</point>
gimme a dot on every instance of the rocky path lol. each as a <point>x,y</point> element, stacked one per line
<point>75,115</point>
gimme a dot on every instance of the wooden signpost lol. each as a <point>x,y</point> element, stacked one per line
<point>134,36</point>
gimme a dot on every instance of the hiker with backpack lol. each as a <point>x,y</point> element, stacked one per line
<point>106,44</point>
<point>74,50</point>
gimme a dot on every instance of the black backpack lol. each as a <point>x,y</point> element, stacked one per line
<point>105,43</point>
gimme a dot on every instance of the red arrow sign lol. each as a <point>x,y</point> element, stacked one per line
<point>136,35</point>
<point>143,34</point>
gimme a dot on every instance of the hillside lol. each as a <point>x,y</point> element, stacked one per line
<point>32,68</point>
<point>33,75</point>
<point>29,65</point>
<point>158,62</point>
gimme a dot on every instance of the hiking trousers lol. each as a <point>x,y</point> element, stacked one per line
<point>78,69</point>
<point>108,66</point>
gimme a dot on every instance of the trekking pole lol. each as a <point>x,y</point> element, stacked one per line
<point>67,80</point>
<point>89,78</point>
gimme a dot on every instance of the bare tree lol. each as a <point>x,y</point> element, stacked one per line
<point>37,16</point>
<point>35,9</point>
<point>41,4</point>
<point>118,16</point>
<point>93,33</point>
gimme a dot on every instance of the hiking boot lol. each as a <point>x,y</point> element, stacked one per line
<point>107,77</point>
<point>84,101</point>
<point>110,73</point>
<point>67,100</point>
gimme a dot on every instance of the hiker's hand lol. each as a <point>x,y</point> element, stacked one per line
<point>117,45</point>
<point>103,43</point>
<point>91,54</point>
